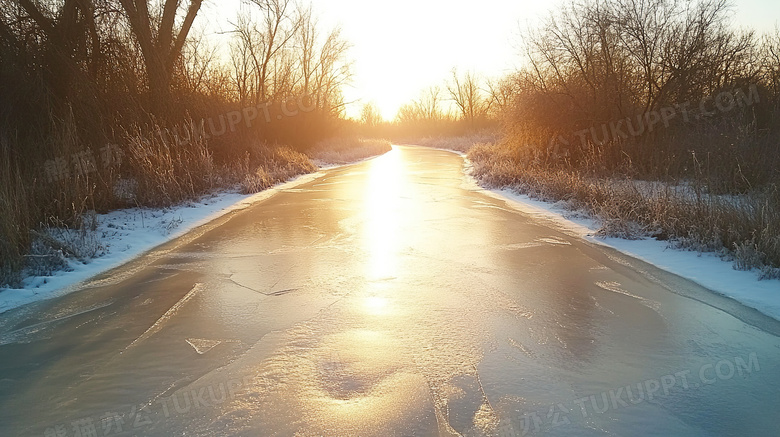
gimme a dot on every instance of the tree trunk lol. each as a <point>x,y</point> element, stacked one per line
<point>161,52</point>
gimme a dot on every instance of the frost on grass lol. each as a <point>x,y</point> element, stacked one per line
<point>345,150</point>
<point>59,248</point>
<point>54,247</point>
<point>271,165</point>
<point>461,143</point>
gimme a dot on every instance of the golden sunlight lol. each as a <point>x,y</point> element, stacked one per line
<point>354,218</point>
<point>382,207</point>
<point>376,306</point>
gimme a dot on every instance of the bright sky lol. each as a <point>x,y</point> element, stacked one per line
<point>401,47</point>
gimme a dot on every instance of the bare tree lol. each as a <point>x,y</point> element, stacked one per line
<point>332,73</point>
<point>646,29</point>
<point>242,65</point>
<point>264,41</point>
<point>370,115</point>
<point>702,53</point>
<point>70,38</point>
<point>286,55</point>
<point>599,61</point>
<point>197,64</point>
<point>307,41</point>
<point>426,109</point>
<point>161,43</point>
<point>468,97</point>
<point>770,61</point>
<point>429,104</point>
<point>500,92</point>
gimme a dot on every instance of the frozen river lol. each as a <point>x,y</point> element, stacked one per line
<point>387,298</point>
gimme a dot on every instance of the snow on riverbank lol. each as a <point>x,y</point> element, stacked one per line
<point>127,233</point>
<point>706,269</point>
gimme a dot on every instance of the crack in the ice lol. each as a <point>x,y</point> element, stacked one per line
<point>157,326</point>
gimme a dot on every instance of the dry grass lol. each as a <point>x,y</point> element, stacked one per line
<point>462,143</point>
<point>346,150</point>
<point>744,228</point>
<point>166,172</point>
<point>267,166</point>
<point>256,182</point>
<point>15,218</point>
<point>283,163</point>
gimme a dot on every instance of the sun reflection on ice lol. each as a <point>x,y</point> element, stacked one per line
<point>382,209</point>
<point>376,306</point>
